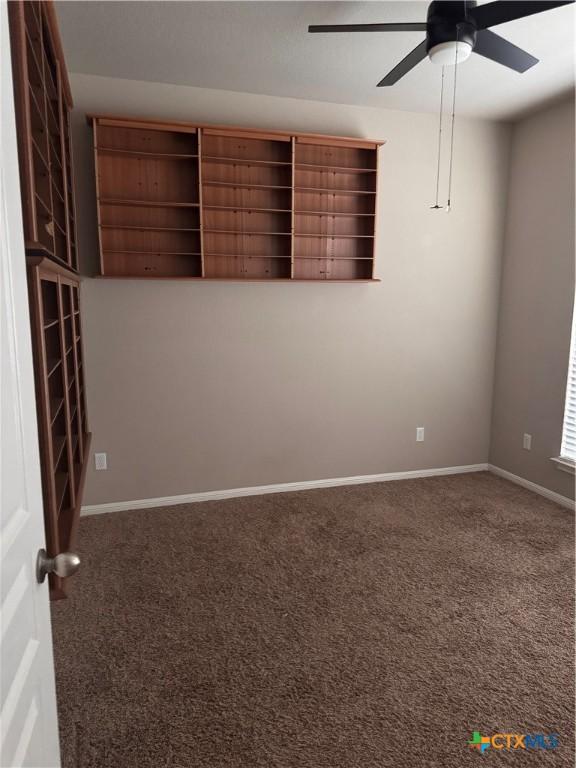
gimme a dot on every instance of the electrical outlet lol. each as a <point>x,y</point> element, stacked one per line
<point>527,442</point>
<point>419,434</point>
<point>101,460</point>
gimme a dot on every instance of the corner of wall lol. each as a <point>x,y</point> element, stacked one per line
<point>536,299</point>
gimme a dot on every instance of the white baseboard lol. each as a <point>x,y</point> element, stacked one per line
<point>258,490</point>
<point>539,489</point>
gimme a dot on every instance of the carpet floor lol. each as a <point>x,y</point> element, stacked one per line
<point>369,626</point>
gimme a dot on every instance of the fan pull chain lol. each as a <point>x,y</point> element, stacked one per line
<point>437,205</point>
<point>448,205</point>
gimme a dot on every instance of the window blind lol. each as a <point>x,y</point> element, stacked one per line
<point>568,450</point>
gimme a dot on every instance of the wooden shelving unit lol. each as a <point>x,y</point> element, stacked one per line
<point>246,188</point>
<point>202,202</point>
<point>148,200</point>
<point>335,210</point>
<point>43,104</point>
<point>61,400</point>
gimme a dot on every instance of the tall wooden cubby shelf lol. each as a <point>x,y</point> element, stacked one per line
<point>61,401</point>
<point>204,202</point>
<point>43,103</point>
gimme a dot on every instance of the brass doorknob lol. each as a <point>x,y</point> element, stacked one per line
<point>65,564</point>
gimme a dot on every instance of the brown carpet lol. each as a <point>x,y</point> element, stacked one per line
<point>373,626</point>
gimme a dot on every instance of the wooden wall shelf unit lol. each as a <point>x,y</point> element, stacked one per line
<point>61,402</point>
<point>43,103</point>
<point>177,200</point>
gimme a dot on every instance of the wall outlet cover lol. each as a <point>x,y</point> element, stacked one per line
<point>419,434</point>
<point>527,442</point>
<point>101,460</point>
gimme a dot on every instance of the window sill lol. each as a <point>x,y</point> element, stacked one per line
<point>566,465</point>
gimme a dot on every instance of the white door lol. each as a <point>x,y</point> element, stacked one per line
<point>28,722</point>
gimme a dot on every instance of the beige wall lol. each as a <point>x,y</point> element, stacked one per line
<point>536,299</point>
<point>195,387</point>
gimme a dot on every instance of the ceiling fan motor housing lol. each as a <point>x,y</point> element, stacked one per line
<point>448,22</point>
<point>455,29</point>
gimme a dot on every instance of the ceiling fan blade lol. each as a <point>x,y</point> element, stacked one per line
<point>491,14</point>
<point>407,27</point>
<point>494,47</point>
<point>408,63</point>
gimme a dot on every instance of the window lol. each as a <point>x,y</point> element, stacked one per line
<point>568,450</point>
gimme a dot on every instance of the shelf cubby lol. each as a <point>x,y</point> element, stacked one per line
<point>315,152</point>
<point>246,220</point>
<point>130,138</point>
<point>246,243</point>
<point>150,264</point>
<point>331,224</point>
<point>176,200</point>
<point>332,269</point>
<point>338,247</point>
<point>246,197</point>
<point>257,176</point>
<point>162,217</point>
<point>149,180</point>
<point>244,161</point>
<point>242,266</point>
<point>157,240</point>
<point>331,202</point>
<point>245,146</point>
<point>147,155</point>
<point>335,181</point>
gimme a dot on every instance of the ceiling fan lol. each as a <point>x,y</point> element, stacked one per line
<point>455,29</point>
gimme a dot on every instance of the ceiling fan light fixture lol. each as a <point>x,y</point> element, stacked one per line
<point>450,52</point>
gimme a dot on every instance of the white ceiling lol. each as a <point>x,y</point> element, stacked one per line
<point>263,47</point>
